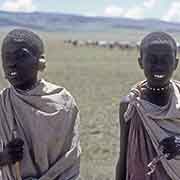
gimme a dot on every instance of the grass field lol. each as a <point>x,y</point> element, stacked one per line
<point>97,78</point>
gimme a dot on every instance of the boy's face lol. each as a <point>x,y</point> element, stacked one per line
<point>20,68</point>
<point>158,62</point>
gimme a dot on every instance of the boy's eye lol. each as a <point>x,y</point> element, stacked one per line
<point>152,60</point>
<point>168,59</point>
<point>21,55</point>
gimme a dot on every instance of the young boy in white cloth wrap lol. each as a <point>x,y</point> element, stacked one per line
<point>150,115</point>
<point>38,120</point>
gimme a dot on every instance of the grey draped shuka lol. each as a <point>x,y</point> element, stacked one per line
<point>47,119</point>
<point>149,125</point>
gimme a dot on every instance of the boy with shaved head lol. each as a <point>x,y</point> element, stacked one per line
<point>150,115</point>
<point>38,120</point>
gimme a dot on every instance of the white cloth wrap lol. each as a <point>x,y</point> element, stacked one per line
<point>47,119</point>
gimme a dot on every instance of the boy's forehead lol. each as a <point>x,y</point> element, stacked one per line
<point>159,47</point>
<point>13,52</point>
<point>14,46</point>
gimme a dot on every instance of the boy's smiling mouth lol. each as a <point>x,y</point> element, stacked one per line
<point>13,73</point>
<point>159,76</point>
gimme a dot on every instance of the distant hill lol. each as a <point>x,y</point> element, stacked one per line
<point>68,22</point>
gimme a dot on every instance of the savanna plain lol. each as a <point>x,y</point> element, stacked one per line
<point>98,78</point>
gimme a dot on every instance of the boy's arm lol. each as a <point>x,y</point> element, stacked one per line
<point>124,131</point>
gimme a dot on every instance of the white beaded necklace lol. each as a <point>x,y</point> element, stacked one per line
<point>158,89</point>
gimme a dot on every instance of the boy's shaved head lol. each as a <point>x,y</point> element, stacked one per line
<point>158,58</point>
<point>21,53</point>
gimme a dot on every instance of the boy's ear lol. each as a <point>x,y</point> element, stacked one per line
<point>176,64</point>
<point>140,62</point>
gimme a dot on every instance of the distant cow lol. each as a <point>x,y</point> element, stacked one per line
<point>111,44</point>
<point>89,42</point>
<point>102,43</point>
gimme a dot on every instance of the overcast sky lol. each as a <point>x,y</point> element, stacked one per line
<point>160,9</point>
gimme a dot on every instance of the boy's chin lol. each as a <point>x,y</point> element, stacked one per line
<point>25,85</point>
<point>158,83</point>
<point>15,84</point>
<point>18,84</point>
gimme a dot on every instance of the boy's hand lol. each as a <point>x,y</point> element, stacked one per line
<point>171,146</point>
<point>12,152</point>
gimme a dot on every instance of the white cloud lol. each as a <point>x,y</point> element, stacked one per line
<point>135,12</point>
<point>113,11</point>
<point>18,5</point>
<point>116,11</point>
<point>149,3</point>
<point>173,14</point>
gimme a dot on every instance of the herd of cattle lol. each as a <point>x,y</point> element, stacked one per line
<point>108,44</point>
<point>105,44</point>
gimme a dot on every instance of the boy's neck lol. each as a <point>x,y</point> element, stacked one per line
<point>158,96</point>
<point>29,85</point>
